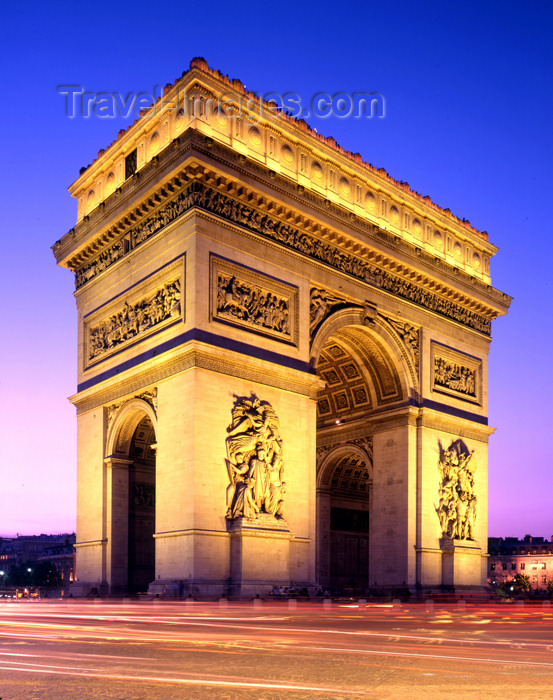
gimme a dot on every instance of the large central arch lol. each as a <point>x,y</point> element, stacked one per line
<point>367,376</point>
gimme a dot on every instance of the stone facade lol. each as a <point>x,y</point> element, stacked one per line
<point>531,557</point>
<point>283,362</point>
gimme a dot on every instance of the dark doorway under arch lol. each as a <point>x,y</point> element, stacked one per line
<point>349,525</point>
<point>141,566</point>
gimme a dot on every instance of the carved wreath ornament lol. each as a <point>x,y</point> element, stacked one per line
<point>254,461</point>
<point>457,506</point>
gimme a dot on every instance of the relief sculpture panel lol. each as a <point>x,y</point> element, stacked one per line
<point>456,374</point>
<point>242,297</point>
<point>196,194</point>
<point>254,461</point>
<point>457,505</point>
<point>135,316</point>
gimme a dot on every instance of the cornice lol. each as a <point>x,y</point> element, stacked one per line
<point>195,355</point>
<point>343,434</point>
<point>361,266</point>
<point>429,418</point>
<point>200,79</point>
<point>140,195</point>
<point>425,418</point>
<point>339,216</point>
<point>90,543</point>
<point>196,175</point>
<point>197,146</point>
<point>395,418</point>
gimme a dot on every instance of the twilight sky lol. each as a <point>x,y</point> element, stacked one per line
<point>469,98</point>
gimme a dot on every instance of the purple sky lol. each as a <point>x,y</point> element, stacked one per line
<point>469,99</point>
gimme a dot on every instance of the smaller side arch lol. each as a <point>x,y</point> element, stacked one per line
<point>344,495</point>
<point>330,461</point>
<point>124,424</point>
<point>129,511</point>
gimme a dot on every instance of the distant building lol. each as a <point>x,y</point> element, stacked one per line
<point>531,556</point>
<point>62,556</point>
<point>57,549</point>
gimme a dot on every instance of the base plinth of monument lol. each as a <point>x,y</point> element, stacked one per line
<point>458,569</point>
<point>201,588</point>
<point>259,555</point>
<point>89,589</point>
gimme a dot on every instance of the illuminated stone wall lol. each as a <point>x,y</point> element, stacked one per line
<point>241,263</point>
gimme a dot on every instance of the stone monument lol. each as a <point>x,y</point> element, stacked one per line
<point>283,360</point>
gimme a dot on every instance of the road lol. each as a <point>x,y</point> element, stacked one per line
<point>162,650</point>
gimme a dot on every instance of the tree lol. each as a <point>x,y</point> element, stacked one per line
<point>518,586</point>
<point>42,574</point>
<point>45,575</point>
<point>20,575</point>
<point>521,584</point>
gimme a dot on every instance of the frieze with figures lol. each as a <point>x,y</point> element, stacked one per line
<point>245,298</point>
<point>455,377</point>
<point>456,373</point>
<point>254,461</point>
<point>134,319</point>
<point>197,194</point>
<point>456,509</point>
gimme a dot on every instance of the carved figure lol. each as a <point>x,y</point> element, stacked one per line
<point>150,397</point>
<point>239,492</point>
<point>470,518</point>
<point>198,194</point>
<point>454,377</point>
<point>132,320</point>
<point>250,303</point>
<point>409,334</point>
<point>235,472</point>
<point>276,488</point>
<point>254,461</point>
<point>321,305</point>
<point>370,313</point>
<point>456,508</point>
<point>143,495</point>
<point>257,474</point>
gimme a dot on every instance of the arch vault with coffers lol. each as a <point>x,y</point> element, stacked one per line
<point>282,362</point>
<point>370,385</point>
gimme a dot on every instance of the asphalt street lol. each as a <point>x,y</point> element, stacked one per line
<point>268,651</point>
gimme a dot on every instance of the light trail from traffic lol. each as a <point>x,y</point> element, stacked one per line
<point>309,651</point>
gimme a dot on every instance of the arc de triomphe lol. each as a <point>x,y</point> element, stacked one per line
<point>283,361</point>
